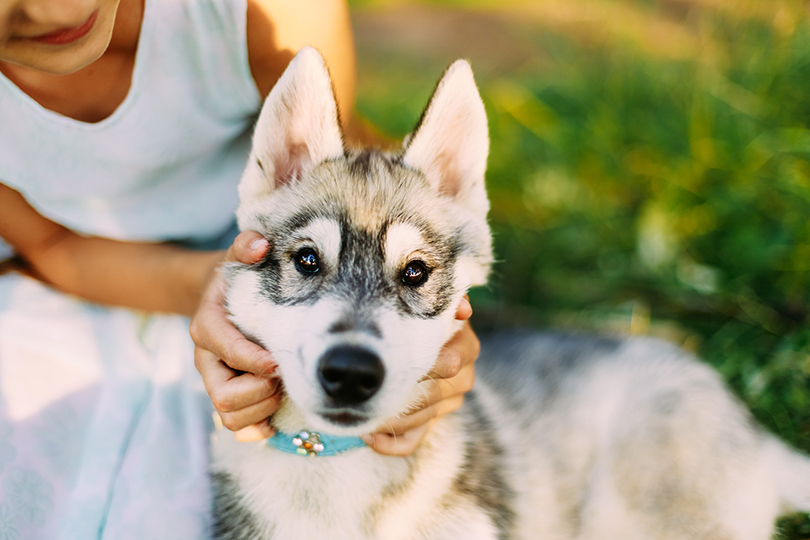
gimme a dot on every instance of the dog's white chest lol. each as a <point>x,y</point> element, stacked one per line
<point>357,495</point>
<point>292,496</point>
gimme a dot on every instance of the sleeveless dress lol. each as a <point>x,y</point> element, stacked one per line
<point>104,422</point>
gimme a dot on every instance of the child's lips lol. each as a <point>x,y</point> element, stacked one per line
<point>68,35</point>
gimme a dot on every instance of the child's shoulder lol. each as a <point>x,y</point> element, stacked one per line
<point>277,29</point>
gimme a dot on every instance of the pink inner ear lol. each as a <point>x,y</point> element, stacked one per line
<point>446,145</point>
<point>445,168</point>
<point>290,163</point>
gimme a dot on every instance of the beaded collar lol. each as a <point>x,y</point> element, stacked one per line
<point>310,443</point>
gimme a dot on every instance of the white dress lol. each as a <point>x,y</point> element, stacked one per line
<point>104,422</point>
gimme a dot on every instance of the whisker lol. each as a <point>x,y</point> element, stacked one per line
<point>396,442</point>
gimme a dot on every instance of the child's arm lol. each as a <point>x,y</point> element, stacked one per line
<point>149,276</point>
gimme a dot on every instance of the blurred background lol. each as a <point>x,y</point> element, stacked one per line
<point>649,170</point>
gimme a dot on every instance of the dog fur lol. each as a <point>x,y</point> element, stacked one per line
<point>564,437</point>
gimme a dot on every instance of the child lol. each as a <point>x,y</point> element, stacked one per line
<point>124,126</point>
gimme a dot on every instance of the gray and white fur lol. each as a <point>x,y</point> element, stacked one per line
<point>564,437</point>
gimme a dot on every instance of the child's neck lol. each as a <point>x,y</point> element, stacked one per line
<point>94,92</point>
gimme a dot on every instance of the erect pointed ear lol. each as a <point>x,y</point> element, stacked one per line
<point>297,129</point>
<point>451,144</point>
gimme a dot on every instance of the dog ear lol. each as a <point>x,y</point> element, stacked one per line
<point>298,128</point>
<point>450,144</point>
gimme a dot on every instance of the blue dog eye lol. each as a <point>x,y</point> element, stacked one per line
<point>306,261</point>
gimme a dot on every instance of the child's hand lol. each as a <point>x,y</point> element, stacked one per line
<point>452,377</point>
<point>239,375</point>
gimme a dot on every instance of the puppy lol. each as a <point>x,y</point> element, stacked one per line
<point>564,436</point>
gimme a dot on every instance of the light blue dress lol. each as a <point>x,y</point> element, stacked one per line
<point>104,422</point>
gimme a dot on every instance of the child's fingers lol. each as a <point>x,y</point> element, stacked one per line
<point>240,354</point>
<point>437,390</point>
<point>226,343</point>
<point>248,248</point>
<point>257,432</point>
<point>464,310</point>
<point>461,350</point>
<point>211,330</point>
<point>402,425</point>
<point>230,390</point>
<point>236,372</point>
<point>252,414</point>
<point>396,445</point>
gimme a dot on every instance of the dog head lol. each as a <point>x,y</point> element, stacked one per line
<point>370,253</point>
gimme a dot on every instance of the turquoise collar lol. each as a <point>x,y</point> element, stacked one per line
<point>310,443</point>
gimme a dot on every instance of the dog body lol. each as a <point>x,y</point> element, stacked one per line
<point>563,437</point>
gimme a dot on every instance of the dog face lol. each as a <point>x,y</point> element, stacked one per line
<point>369,253</point>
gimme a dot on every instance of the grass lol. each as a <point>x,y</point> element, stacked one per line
<point>649,170</point>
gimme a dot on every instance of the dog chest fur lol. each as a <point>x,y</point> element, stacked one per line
<point>355,495</point>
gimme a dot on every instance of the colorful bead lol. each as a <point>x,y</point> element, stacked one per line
<point>309,444</point>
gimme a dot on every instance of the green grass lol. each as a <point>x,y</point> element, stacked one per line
<point>648,174</point>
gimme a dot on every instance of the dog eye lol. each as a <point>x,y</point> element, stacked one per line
<point>414,274</point>
<point>306,261</point>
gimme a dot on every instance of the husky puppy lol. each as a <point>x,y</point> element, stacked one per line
<point>564,436</point>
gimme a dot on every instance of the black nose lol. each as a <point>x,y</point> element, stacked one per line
<point>350,375</point>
